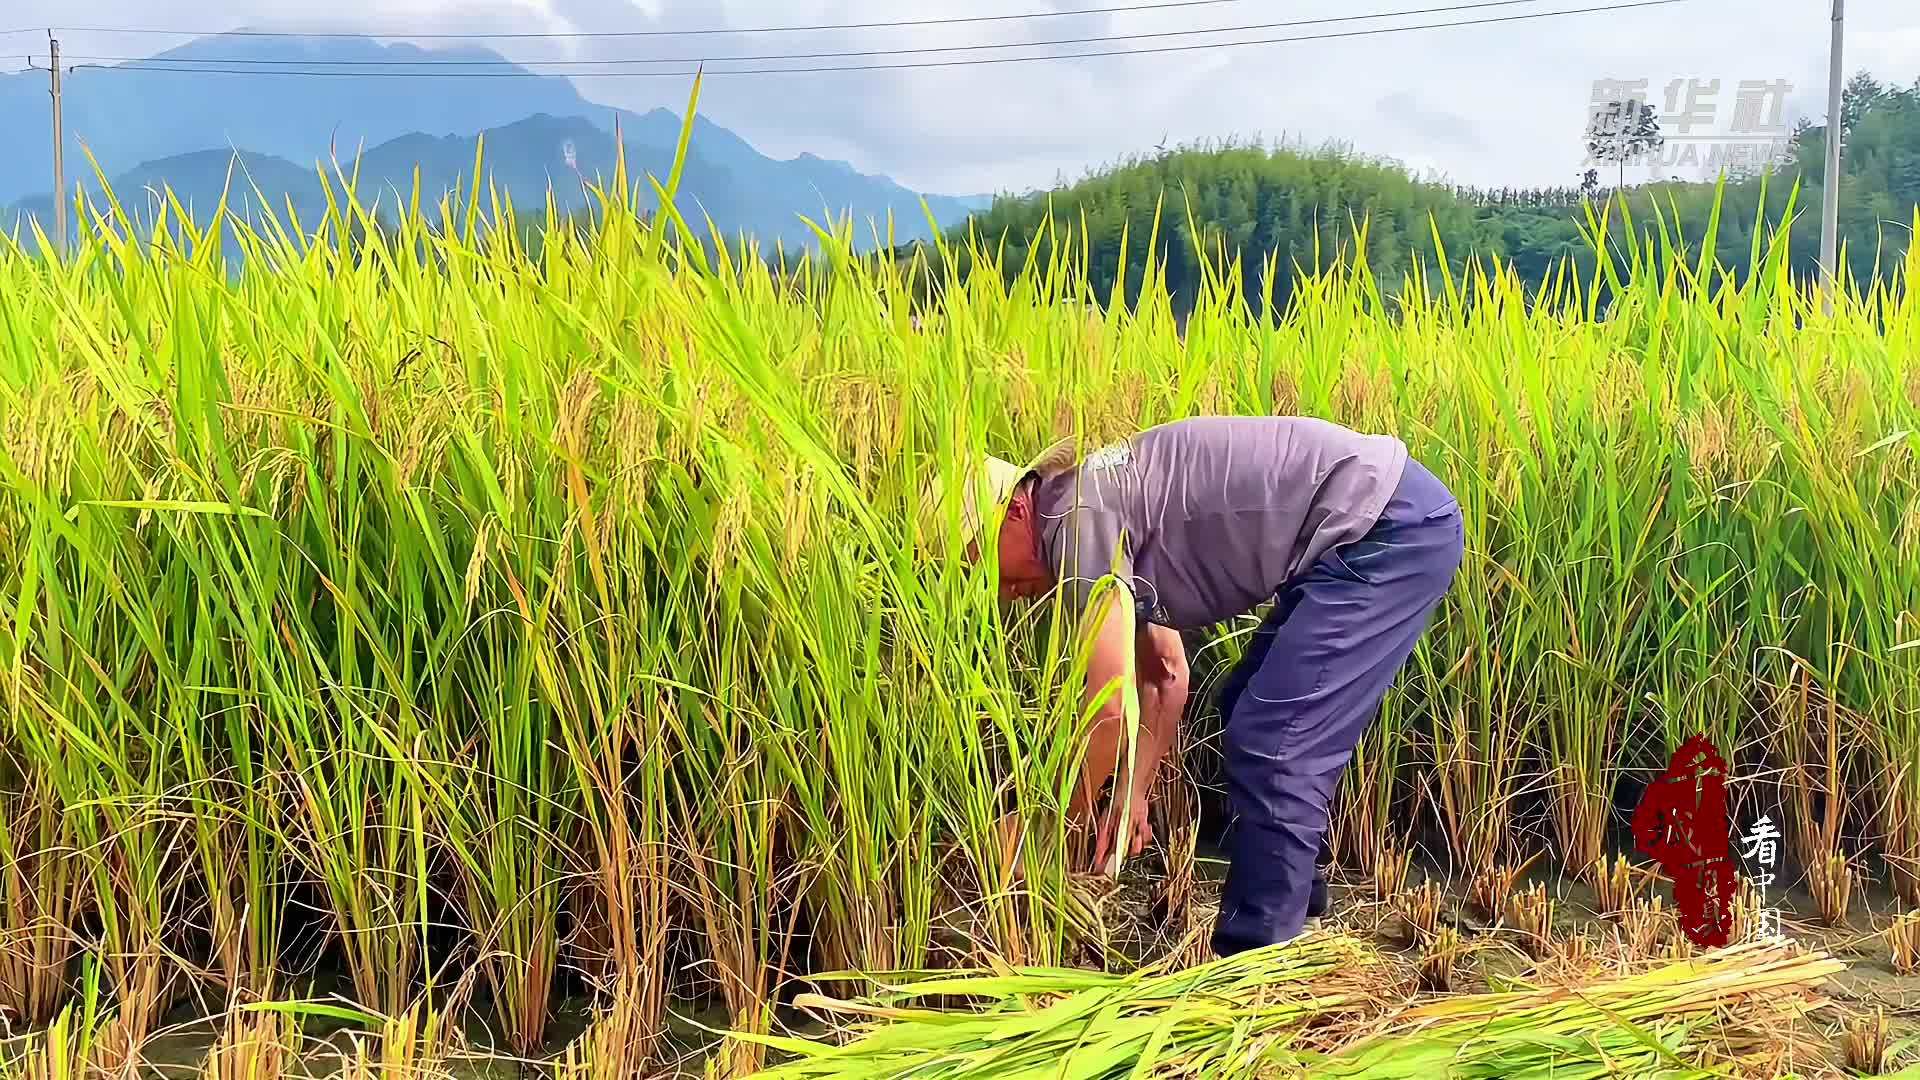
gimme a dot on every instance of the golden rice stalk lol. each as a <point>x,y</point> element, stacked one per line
<point>1754,973</point>
<point>1439,959</point>
<point>415,1044</point>
<point>1530,913</point>
<point>1903,942</point>
<point>1043,1018</point>
<point>62,1052</point>
<point>1830,880</point>
<point>1748,905</point>
<point>1901,814</point>
<point>1906,879</point>
<point>1704,1013</point>
<point>43,888</point>
<point>254,1046</point>
<point>1644,925</point>
<point>1174,900</point>
<point>1866,1043</point>
<point>1580,812</point>
<point>616,1046</point>
<point>1571,959</point>
<point>1419,908</point>
<point>1615,884</point>
<point>1815,780</point>
<point>1491,888</point>
<point>1390,866</point>
<point>117,1045</point>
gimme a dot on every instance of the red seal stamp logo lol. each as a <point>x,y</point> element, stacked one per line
<point>1681,823</point>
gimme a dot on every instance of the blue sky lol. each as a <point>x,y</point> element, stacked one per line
<point>1479,104</point>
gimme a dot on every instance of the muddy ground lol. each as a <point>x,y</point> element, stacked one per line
<point>1140,924</point>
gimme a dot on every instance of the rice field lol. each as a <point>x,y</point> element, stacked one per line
<point>471,625</point>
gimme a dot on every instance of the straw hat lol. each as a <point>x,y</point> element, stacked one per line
<point>991,485</point>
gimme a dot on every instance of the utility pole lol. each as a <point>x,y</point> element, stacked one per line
<point>59,146</point>
<point>1830,218</point>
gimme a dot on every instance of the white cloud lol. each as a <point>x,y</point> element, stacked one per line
<point>1497,104</point>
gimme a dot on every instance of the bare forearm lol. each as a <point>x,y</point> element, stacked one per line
<point>1107,751</point>
<point>1110,682</point>
<point>1159,685</point>
<point>1163,695</point>
<point>1105,743</point>
<point>1161,707</point>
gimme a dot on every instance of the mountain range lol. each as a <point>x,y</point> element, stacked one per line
<point>160,122</point>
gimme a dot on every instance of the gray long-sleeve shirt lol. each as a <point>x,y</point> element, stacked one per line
<point>1208,518</point>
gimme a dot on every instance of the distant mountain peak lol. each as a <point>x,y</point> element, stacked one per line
<point>167,126</point>
<point>810,157</point>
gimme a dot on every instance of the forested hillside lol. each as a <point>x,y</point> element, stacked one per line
<point>1303,209</point>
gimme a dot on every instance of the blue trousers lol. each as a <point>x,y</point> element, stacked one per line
<point>1311,681</point>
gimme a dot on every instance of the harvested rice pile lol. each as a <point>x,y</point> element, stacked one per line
<point>1325,1006</point>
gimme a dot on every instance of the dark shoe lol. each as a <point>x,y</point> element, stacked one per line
<point>1225,945</point>
<point>1317,897</point>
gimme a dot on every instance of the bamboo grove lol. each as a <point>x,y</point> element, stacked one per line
<point>474,619</point>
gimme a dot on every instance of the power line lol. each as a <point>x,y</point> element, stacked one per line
<point>1480,5</point>
<point>1161,5</point>
<point>920,64</point>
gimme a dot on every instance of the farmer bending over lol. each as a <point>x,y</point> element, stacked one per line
<point>1207,519</point>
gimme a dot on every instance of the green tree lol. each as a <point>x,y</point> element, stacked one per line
<point>1625,130</point>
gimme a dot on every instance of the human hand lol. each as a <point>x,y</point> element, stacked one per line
<point>1139,827</point>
